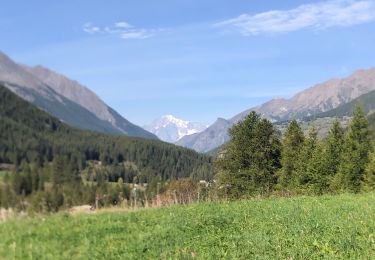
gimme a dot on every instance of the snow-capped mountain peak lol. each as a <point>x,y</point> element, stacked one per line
<point>170,129</point>
<point>169,119</point>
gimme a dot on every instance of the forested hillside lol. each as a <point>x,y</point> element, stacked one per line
<point>45,151</point>
<point>30,134</point>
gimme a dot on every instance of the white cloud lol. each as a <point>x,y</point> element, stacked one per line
<point>140,34</point>
<point>123,25</point>
<point>90,28</point>
<point>321,15</point>
<point>123,29</point>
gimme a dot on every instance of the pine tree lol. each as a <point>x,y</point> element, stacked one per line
<point>35,178</point>
<point>317,170</point>
<point>16,182</point>
<point>58,168</point>
<point>355,154</point>
<point>291,145</point>
<point>304,172</point>
<point>333,149</point>
<point>251,158</point>
<point>326,160</point>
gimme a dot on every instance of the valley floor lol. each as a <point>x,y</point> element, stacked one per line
<point>298,228</point>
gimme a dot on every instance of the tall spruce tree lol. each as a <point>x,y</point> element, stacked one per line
<point>355,154</point>
<point>327,159</point>
<point>333,149</point>
<point>316,170</point>
<point>291,145</point>
<point>304,162</point>
<point>58,168</point>
<point>251,158</point>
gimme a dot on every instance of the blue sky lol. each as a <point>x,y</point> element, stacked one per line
<point>197,60</point>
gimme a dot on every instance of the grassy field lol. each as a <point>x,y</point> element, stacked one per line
<point>299,228</point>
<point>2,174</point>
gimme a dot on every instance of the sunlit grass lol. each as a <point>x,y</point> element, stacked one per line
<point>328,227</point>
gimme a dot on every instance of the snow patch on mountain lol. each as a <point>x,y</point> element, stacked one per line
<point>171,129</point>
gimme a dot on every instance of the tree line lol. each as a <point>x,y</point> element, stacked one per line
<point>259,161</point>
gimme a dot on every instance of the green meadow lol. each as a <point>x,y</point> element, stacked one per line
<point>323,227</point>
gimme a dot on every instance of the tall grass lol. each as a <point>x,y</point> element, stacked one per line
<point>325,227</point>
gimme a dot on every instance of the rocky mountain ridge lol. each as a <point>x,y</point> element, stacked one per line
<point>66,99</point>
<point>314,100</point>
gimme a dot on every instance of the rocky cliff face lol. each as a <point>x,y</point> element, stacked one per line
<point>72,90</point>
<point>65,98</point>
<point>11,72</point>
<point>319,98</point>
<point>316,99</point>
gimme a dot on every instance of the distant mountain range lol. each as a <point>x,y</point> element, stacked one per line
<point>66,99</point>
<point>171,129</point>
<point>78,106</point>
<point>312,101</point>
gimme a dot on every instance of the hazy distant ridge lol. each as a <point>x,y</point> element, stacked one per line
<point>316,99</point>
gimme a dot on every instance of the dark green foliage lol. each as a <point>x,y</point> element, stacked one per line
<point>333,149</point>
<point>309,165</point>
<point>291,146</point>
<point>58,170</point>
<point>305,163</point>
<point>355,154</point>
<point>203,172</point>
<point>250,160</point>
<point>327,159</point>
<point>334,164</point>
<point>318,178</point>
